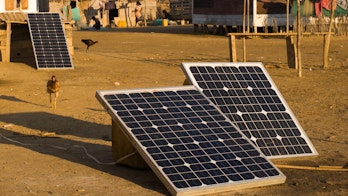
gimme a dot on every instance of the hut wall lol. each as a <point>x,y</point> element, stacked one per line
<point>222,12</point>
<point>89,8</point>
<point>181,9</point>
<point>23,5</point>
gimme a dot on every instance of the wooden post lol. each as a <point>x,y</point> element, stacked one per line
<point>244,16</point>
<point>145,14</point>
<point>328,37</point>
<point>299,39</point>
<point>8,43</point>
<point>291,52</point>
<point>296,54</point>
<point>244,50</point>
<point>287,15</point>
<point>254,14</point>
<point>233,52</point>
<point>230,47</point>
<point>3,38</point>
<point>125,13</point>
<point>248,16</point>
<point>326,51</point>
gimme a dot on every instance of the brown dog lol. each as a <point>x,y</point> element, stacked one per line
<point>53,87</point>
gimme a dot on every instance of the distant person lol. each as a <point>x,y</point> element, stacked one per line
<point>66,11</point>
<point>113,12</point>
<point>101,8</point>
<point>166,15</point>
<point>75,13</point>
<point>137,11</point>
<point>96,23</point>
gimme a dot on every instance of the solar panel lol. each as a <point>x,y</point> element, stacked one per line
<point>189,144</point>
<point>246,94</point>
<point>48,40</point>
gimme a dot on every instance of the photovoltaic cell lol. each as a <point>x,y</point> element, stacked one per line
<point>189,144</point>
<point>49,42</point>
<point>246,94</point>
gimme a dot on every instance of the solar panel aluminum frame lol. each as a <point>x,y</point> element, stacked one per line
<point>230,186</point>
<point>34,47</point>
<point>191,80</point>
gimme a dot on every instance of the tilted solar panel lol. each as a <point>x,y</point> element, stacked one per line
<point>246,94</point>
<point>49,42</point>
<point>189,144</point>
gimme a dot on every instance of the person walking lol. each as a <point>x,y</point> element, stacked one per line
<point>113,11</point>
<point>137,11</point>
<point>75,14</point>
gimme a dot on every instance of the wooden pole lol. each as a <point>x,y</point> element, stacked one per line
<point>233,49</point>
<point>254,14</point>
<point>320,167</point>
<point>248,15</point>
<point>145,15</point>
<point>244,16</point>
<point>299,39</point>
<point>287,15</point>
<point>125,12</point>
<point>230,46</point>
<point>8,42</point>
<point>327,38</point>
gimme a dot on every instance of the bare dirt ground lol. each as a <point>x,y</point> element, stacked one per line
<point>33,162</point>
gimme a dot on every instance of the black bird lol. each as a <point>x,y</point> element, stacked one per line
<point>88,42</point>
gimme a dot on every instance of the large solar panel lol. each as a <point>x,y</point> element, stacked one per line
<point>190,145</point>
<point>49,42</point>
<point>246,94</point>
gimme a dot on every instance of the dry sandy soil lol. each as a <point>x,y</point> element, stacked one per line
<point>39,147</point>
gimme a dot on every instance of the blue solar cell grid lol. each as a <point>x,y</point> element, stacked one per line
<point>49,42</point>
<point>246,94</point>
<point>189,142</point>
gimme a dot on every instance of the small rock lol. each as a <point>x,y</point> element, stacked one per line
<point>294,184</point>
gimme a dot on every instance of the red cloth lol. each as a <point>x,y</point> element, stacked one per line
<point>318,9</point>
<point>327,4</point>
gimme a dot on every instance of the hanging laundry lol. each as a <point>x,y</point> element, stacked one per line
<point>343,4</point>
<point>338,10</point>
<point>318,8</point>
<point>327,4</point>
<point>307,8</point>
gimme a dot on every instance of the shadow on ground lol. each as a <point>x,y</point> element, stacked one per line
<point>70,149</point>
